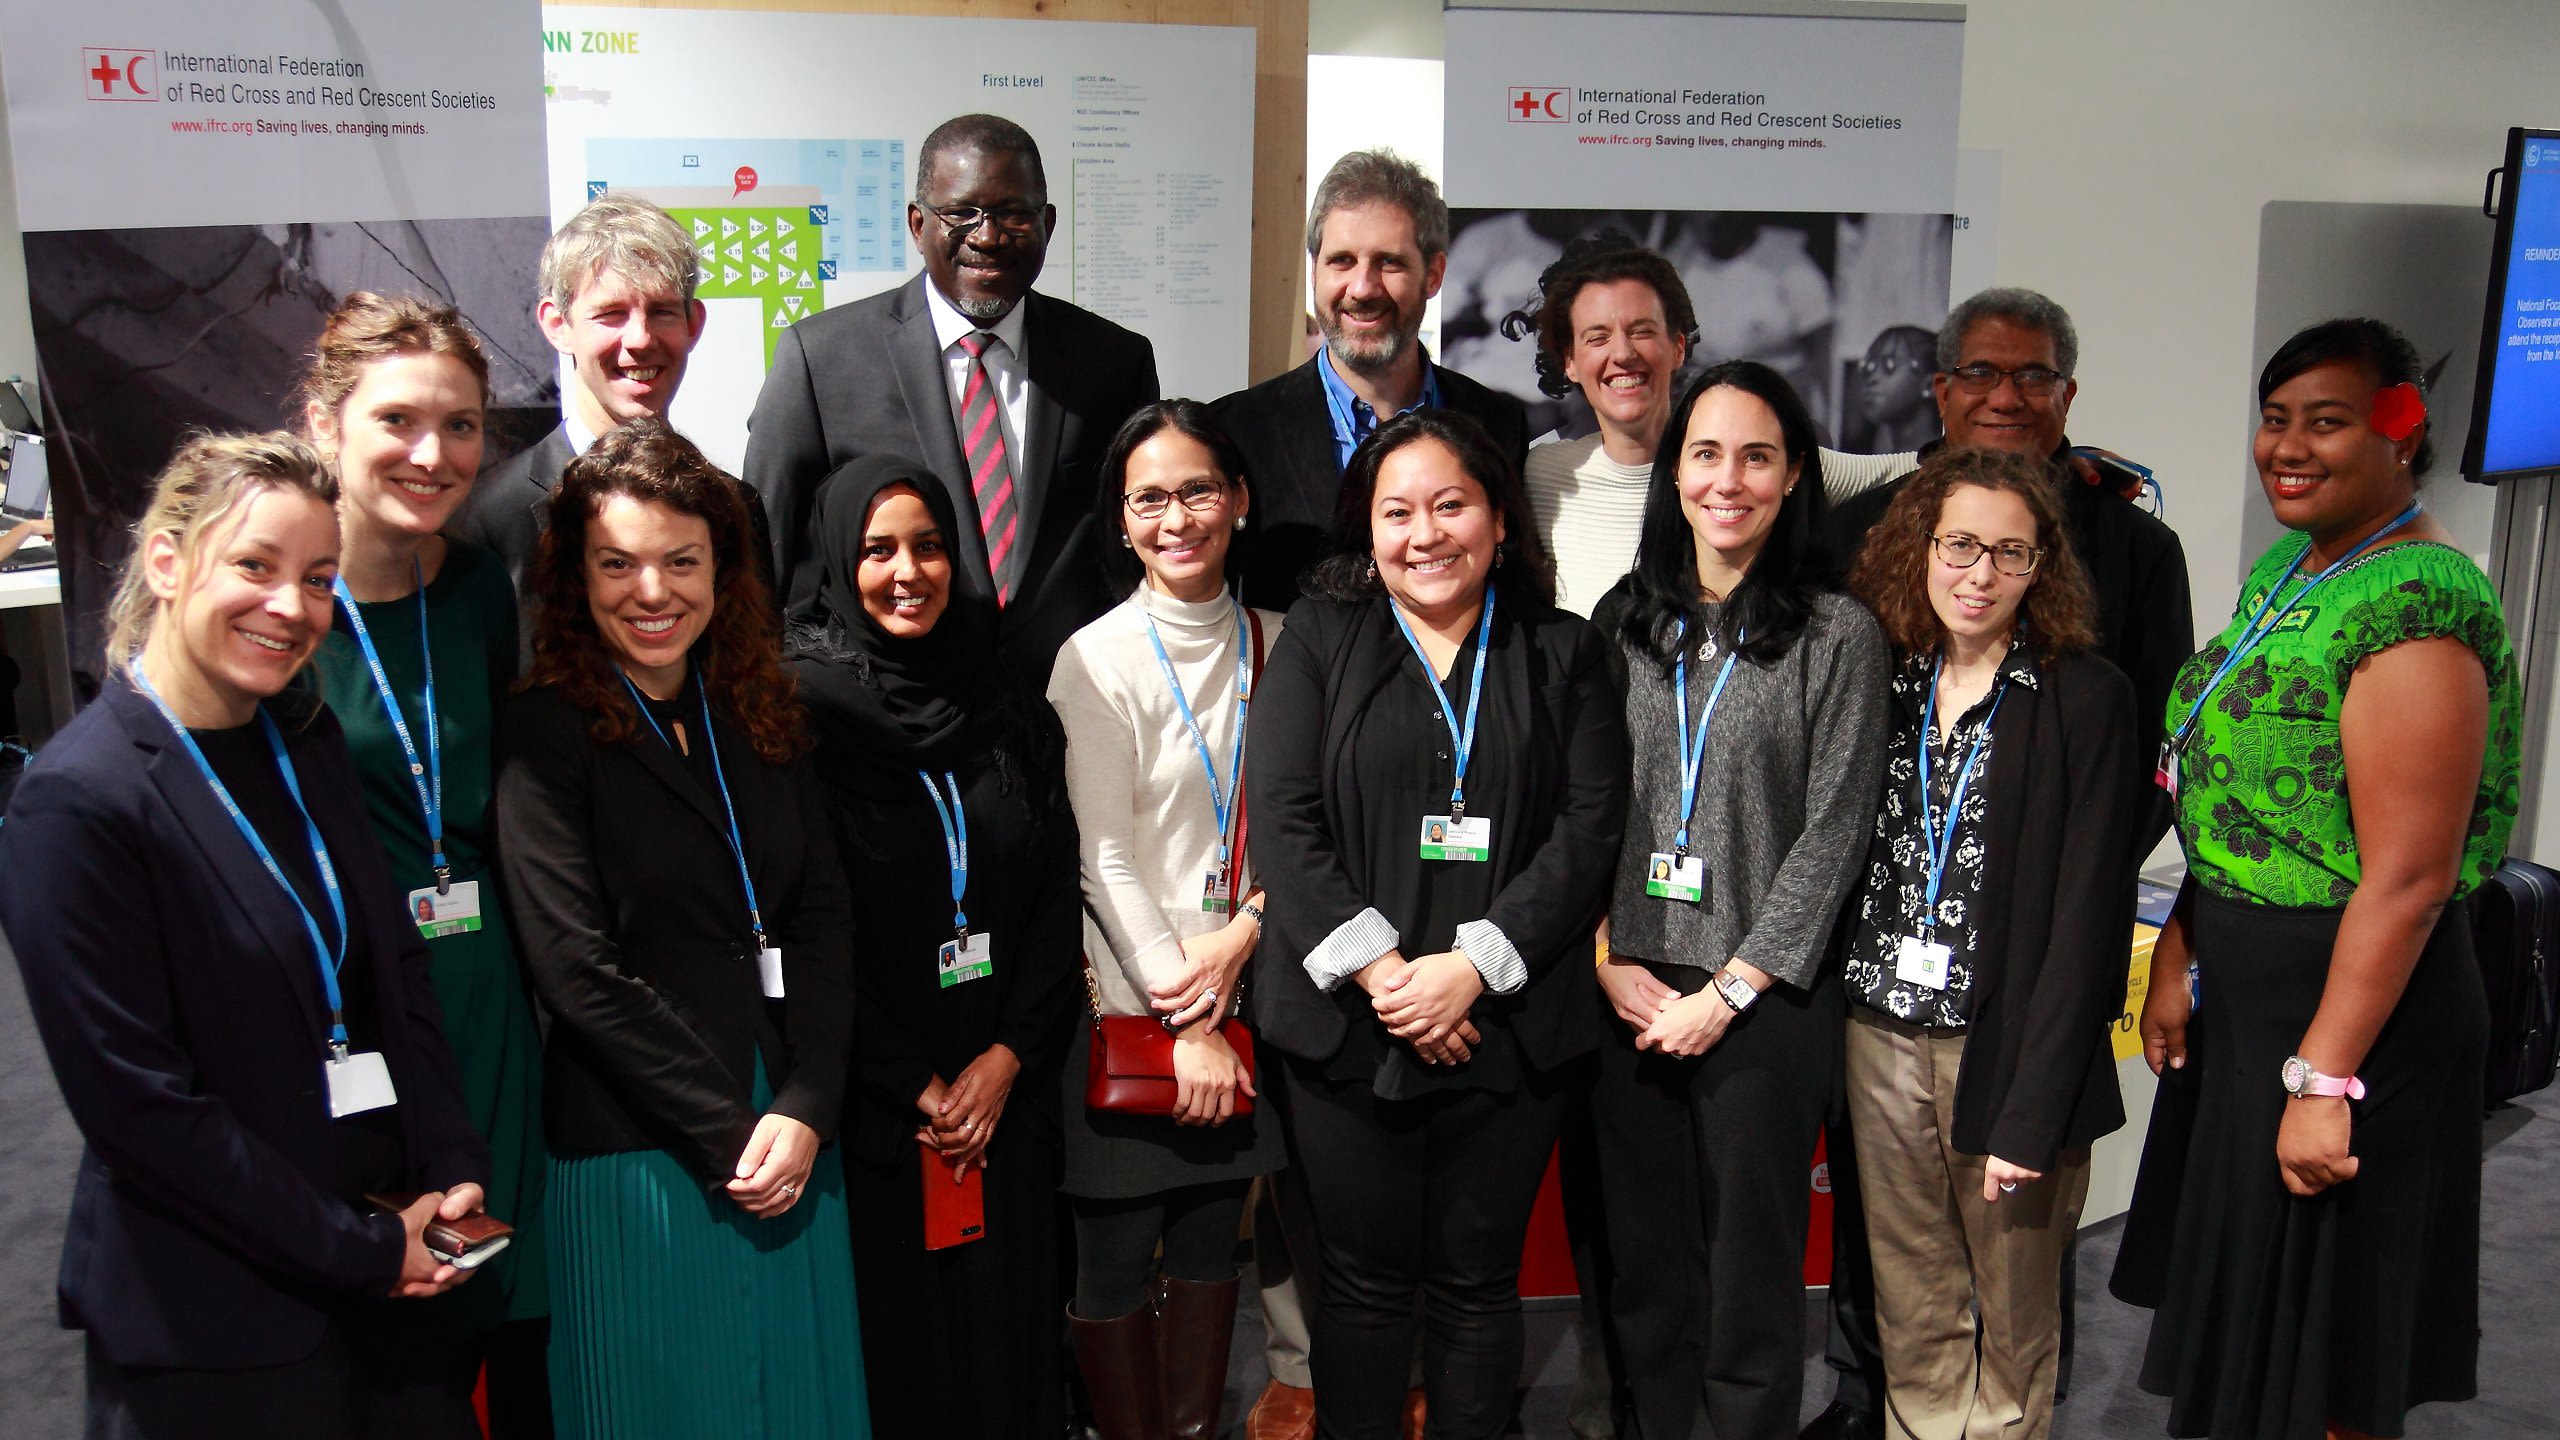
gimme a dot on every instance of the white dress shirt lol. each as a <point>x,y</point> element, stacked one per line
<point>1008,365</point>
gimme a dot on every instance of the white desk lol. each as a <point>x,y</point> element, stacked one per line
<point>40,586</point>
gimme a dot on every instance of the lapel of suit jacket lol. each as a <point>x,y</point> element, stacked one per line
<point>1313,461</point>
<point>237,871</point>
<point>915,358</point>
<point>662,763</point>
<point>550,457</point>
<point>1045,419</point>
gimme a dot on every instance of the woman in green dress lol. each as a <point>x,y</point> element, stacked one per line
<point>2344,762</point>
<point>423,648</point>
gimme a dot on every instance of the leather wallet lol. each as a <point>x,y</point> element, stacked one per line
<point>463,1243</point>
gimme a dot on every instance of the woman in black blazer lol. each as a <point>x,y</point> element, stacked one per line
<point>1425,979</point>
<point>170,861</point>
<point>944,776</point>
<point>680,907</point>
<point>1985,953</point>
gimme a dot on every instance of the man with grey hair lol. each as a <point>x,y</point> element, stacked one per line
<point>618,301</point>
<point>2006,360</point>
<point>1008,395</point>
<point>1378,244</point>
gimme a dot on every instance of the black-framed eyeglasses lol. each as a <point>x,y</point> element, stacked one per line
<point>2009,557</point>
<point>960,221</point>
<point>1197,496</point>
<point>2034,381</point>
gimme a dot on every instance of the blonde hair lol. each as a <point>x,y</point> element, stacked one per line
<point>620,235</point>
<point>367,327</point>
<point>209,477</point>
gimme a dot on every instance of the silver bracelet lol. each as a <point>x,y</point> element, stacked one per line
<point>1249,908</point>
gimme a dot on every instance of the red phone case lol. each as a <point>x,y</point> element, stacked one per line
<point>953,1214</point>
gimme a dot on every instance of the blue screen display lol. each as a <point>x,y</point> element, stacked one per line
<point>2524,395</point>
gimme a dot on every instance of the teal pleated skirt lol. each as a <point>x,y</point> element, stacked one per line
<point>676,1314</point>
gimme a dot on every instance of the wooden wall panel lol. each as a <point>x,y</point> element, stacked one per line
<point>1279,124</point>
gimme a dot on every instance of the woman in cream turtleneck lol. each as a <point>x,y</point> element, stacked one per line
<point>1154,697</point>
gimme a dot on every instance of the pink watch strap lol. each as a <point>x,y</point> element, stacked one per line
<point>2319,1084</point>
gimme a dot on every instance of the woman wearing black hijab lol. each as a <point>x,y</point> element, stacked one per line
<point>945,780</point>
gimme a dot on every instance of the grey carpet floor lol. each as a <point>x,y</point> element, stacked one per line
<point>2519,1301</point>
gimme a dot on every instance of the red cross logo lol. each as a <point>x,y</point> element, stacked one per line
<point>1540,104</point>
<point>1527,104</point>
<point>119,74</point>
<point>107,74</point>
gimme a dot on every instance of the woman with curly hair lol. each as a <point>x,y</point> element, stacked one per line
<point>945,779</point>
<point>672,876</point>
<point>1984,949</point>
<point>2343,760</point>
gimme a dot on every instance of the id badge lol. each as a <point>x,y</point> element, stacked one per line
<point>962,963</point>
<point>358,1082</point>
<point>1921,962</point>
<point>1670,877</point>
<point>769,970</point>
<point>456,912</point>
<point>1213,891</point>
<point>2165,774</point>
<point>1447,839</point>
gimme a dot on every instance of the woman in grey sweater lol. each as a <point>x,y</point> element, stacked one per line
<point>1765,692</point>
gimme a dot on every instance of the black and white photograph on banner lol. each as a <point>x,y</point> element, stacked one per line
<point>1830,300</point>
<point>149,335</point>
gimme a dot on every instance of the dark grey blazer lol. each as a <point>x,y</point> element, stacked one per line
<point>510,504</point>
<point>867,379</point>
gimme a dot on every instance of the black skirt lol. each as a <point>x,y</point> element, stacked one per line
<point>2278,1315</point>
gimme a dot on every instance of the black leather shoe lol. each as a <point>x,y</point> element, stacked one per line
<point>1844,1421</point>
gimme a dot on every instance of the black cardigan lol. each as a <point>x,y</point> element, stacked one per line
<point>1560,814</point>
<point>633,925</point>
<point>2065,785</point>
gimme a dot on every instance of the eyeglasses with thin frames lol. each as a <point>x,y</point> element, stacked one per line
<point>2009,558</point>
<point>2034,381</point>
<point>1197,496</point>
<point>961,221</point>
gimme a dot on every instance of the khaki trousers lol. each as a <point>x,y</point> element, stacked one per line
<point>1968,1294</point>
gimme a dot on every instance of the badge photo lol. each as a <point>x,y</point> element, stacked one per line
<point>455,912</point>
<point>1676,877</point>
<point>1444,838</point>
<point>967,960</point>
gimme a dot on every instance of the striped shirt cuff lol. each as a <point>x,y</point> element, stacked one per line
<point>1353,946</point>
<point>1490,951</point>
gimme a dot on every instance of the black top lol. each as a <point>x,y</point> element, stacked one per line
<point>1295,472</point>
<point>626,900</point>
<point>1893,894</point>
<point>2145,619</point>
<point>1336,824</point>
<point>218,1219</point>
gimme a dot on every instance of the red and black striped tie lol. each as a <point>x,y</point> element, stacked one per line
<point>990,469</point>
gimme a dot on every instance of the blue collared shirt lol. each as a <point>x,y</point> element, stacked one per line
<point>1353,420</point>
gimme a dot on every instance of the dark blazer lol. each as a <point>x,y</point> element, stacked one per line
<point>628,909</point>
<point>1567,790</point>
<point>2146,616</point>
<point>1286,434</point>
<point>2065,783</point>
<point>868,379</point>
<point>215,1223</point>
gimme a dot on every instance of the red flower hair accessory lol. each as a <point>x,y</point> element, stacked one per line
<point>2397,411</point>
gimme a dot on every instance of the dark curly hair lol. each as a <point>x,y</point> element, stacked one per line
<point>1595,259</point>
<point>1349,574</point>
<point>739,657</point>
<point>1891,576</point>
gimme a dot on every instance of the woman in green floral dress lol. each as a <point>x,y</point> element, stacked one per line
<point>422,648</point>
<point>2344,759</point>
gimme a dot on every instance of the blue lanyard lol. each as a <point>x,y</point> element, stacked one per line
<point>1464,740</point>
<point>2253,633</point>
<point>331,962</point>
<point>1218,796</point>
<point>427,776</point>
<point>720,777</point>
<point>955,846</point>
<point>1939,844</point>
<point>1693,754</point>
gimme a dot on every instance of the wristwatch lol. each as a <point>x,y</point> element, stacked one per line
<point>2302,1082</point>
<point>1737,992</point>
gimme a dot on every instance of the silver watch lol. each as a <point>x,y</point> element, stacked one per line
<point>1737,992</point>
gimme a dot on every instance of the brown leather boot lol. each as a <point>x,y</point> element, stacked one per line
<point>1118,1360</point>
<point>1194,1324</point>
<point>1285,1412</point>
<point>1415,1412</point>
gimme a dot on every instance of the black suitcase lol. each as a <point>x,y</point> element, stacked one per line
<point>2515,924</point>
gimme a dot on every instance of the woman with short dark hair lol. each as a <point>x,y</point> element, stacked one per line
<point>1763,689</point>
<point>1437,774</point>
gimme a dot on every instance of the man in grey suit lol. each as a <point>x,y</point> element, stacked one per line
<point>1009,396</point>
<point>617,299</point>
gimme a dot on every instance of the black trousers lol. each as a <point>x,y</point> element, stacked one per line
<point>1708,1166</point>
<point>1427,1197</point>
<point>373,1377</point>
<point>1117,1241</point>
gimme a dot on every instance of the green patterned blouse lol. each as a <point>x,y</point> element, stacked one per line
<point>2263,809</point>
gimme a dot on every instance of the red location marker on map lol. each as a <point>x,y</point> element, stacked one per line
<point>745,180</point>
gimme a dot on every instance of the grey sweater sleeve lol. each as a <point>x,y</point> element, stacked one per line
<point>1846,675</point>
